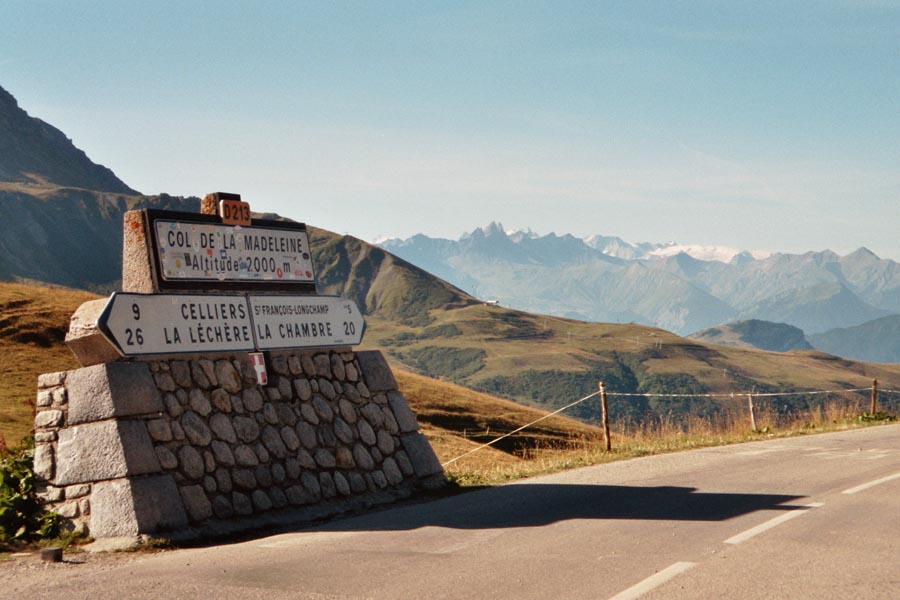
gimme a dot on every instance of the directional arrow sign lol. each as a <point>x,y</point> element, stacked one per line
<point>139,324</point>
<point>282,322</point>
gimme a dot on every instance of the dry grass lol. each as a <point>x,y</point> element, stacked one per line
<point>456,420</point>
<point>33,322</point>
<point>648,438</point>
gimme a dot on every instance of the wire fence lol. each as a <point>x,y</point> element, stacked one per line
<point>873,390</point>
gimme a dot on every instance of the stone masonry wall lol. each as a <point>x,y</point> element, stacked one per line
<point>188,447</point>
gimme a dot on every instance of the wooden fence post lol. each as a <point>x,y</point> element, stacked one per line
<point>874,397</point>
<point>752,413</point>
<point>604,417</point>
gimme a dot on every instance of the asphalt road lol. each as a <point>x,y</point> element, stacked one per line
<point>809,517</point>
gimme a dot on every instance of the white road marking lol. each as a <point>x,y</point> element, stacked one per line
<point>654,581</point>
<point>866,486</point>
<point>754,531</point>
<point>822,452</point>
<point>832,454</point>
<point>760,451</point>
<point>870,454</point>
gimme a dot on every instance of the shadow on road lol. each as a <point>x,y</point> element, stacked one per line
<point>534,505</point>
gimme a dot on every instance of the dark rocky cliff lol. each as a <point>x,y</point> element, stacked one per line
<point>33,151</point>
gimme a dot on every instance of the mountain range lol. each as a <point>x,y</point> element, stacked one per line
<point>603,278</point>
<point>61,223</point>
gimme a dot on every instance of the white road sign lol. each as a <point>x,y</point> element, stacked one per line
<point>192,251</point>
<point>148,324</point>
<point>140,324</point>
<point>282,322</point>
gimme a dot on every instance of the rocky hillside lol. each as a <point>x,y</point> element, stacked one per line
<point>32,151</point>
<point>68,236</point>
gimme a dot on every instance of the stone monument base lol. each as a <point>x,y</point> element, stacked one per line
<point>185,448</point>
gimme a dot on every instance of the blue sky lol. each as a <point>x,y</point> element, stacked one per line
<point>763,125</point>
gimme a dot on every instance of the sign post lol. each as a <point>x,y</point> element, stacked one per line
<point>221,282</point>
<point>147,324</point>
<point>282,322</point>
<point>139,324</point>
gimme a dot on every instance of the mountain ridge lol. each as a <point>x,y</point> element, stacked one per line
<point>33,151</point>
<point>568,276</point>
<point>873,341</point>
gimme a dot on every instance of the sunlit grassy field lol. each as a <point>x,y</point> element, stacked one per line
<point>485,347</point>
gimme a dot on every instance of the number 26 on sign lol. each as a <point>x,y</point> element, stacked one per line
<point>134,335</point>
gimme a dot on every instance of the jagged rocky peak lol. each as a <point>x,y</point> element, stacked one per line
<point>33,151</point>
<point>494,228</point>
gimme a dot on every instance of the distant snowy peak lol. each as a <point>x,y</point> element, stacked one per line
<point>517,235</point>
<point>717,253</point>
<point>385,240</point>
<point>612,246</point>
<point>615,246</point>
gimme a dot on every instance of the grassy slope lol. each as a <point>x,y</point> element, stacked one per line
<point>33,322</point>
<point>457,419</point>
<point>509,344</point>
<point>500,343</point>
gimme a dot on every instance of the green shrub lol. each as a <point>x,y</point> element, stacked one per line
<point>22,518</point>
<point>445,361</point>
<point>868,417</point>
<point>445,330</point>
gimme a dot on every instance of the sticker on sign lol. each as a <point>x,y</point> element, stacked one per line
<point>139,324</point>
<point>282,322</point>
<point>191,251</point>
